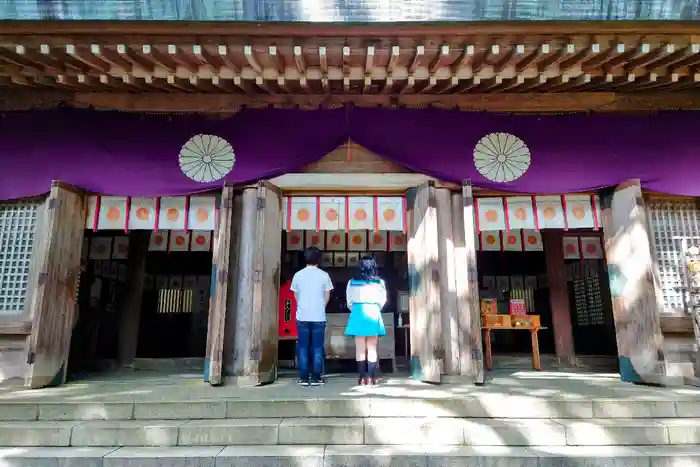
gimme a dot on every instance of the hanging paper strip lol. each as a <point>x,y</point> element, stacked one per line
<point>579,212</point>
<point>532,240</point>
<point>491,214</point>
<point>201,241</point>
<point>303,213</point>
<point>179,241</point>
<point>112,213</point>
<point>571,249</point>
<point>378,240</point>
<point>316,239</point>
<point>201,213</point>
<point>159,241</point>
<point>397,241</point>
<point>357,240</point>
<point>332,213</point>
<point>592,248</point>
<point>520,212</point>
<point>91,212</point>
<point>295,240</point>
<point>335,240</point>
<point>550,212</point>
<point>513,241</point>
<point>390,213</point>
<point>491,240</point>
<point>361,213</point>
<point>172,213</point>
<point>142,214</point>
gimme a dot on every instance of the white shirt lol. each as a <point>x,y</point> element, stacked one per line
<point>310,285</point>
<point>365,292</point>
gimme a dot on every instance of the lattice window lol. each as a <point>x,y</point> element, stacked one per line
<point>671,221</point>
<point>17,238</point>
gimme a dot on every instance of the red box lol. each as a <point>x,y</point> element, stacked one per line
<point>287,311</point>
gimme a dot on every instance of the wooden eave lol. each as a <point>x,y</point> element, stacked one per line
<point>221,67</point>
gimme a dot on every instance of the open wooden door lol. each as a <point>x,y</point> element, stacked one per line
<point>424,285</point>
<point>256,333</point>
<point>56,272</point>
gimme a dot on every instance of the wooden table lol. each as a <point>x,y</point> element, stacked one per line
<point>536,364</point>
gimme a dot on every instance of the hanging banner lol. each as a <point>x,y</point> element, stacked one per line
<point>295,240</point>
<point>303,213</point>
<point>112,213</point>
<point>332,213</point>
<point>357,240</point>
<point>532,240</point>
<point>120,249</point>
<point>378,241</point>
<point>316,239</point>
<point>101,248</point>
<point>179,241</point>
<point>142,214</point>
<point>491,241</point>
<point>390,213</point>
<point>201,213</point>
<point>361,215</point>
<point>201,241</point>
<point>521,214</point>
<point>335,241</point>
<point>550,213</point>
<point>592,248</point>
<point>571,248</point>
<point>579,212</point>
<point>172,213</point>
<point>397,241</point>
<point>513,240</point>
<point>491,215</point>
<point>159,241</point>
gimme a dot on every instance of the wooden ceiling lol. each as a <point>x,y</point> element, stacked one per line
<point>502,71</point>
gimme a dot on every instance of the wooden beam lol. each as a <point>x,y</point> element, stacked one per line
<point>447,281</point>
<point>558,295</point>
<point>130,313</point>
<point>19,327</point>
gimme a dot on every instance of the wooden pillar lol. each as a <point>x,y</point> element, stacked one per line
<point>471,349</point>
<point>632,285</point>
<point>448,287</point>
<point>255,342</point>
<point>559,295</point>
<point>54,304</point>
<point>232,297</point>
<point>130,312</point>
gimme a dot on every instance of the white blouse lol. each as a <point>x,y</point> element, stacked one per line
<point>365,292</point>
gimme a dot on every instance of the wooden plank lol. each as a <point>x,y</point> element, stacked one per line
<point>632,285</point>
<point>19,327</point>
<point>214,361</point>
<point>447,282</point>
<point>558,295</point>
<point>130,313</point>
<point>232,296</point>
<point>470,314</point>
<point>54,301</point>
<point>427,352</point>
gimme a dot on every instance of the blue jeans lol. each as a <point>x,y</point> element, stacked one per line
<point>310,347</point>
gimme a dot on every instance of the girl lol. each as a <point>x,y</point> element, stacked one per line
<point>366,296</point>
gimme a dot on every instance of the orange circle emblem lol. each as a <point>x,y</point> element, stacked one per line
<point>578,212</point>
<point>113,214</point>
<point>200,240</point>
<point>389,215</point>
<point>202,214</point>
<point>512,240</point>
<point>303,214</point>
<point>356,239</point>
<point>315,239</point>
<point>158,240</point>
<point>360,215</point>
<point>295,240</point>
<point>378,239</point>
<point>520,214</point>
<point>570,249</point>
<point>591,249</point>
<point>179,240</point>
<point>490,239</point>
<point>532,240</point>
<point>549,213</point>
<point>172,214</point>
<point>143,214</point>
<point>398,240</point>
<point>491,215</point>
<point>335,239</point>
<point>332,214</point>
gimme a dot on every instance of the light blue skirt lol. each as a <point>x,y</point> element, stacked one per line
<point>365,321</point>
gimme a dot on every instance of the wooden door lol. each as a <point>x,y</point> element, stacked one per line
<point>54,302</point>
<point>221,292</point>
<point>424,285</point>
<point>256,331</point>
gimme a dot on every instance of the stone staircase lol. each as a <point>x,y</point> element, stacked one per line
<point>358,430</point>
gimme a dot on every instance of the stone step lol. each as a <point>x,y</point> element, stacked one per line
<point>354,456</point>
<point>490,406</point>
<point>358,431</point>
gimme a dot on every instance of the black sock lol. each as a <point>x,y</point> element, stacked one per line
<point>372,369</point>
<point>362,368</point>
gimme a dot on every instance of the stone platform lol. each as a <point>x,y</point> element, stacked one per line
<point>517,418</point>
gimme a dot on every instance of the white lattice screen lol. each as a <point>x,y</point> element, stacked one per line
<point>671,221</point>
<point>17,238</point>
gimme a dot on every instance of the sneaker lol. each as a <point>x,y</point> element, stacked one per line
<point>374,381</point>
<point>303,382</point>
<point>318,382</point>
<point>363,382</point>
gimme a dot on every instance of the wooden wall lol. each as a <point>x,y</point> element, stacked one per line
<point>353,158</point>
